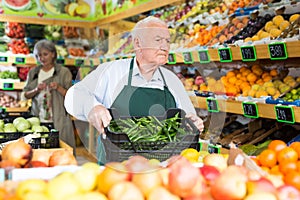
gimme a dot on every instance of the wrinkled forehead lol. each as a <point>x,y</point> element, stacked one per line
<point>153,31</point>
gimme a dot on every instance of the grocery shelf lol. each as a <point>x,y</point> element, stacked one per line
<point>232,106</point>
<point>262,52</point>
<point>16,86</point>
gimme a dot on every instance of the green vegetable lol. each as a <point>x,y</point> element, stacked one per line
<point>150,129</point>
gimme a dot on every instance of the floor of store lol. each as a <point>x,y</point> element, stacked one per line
<point>83,156</point>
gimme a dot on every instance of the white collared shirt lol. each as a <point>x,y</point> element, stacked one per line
<point>102,86</point>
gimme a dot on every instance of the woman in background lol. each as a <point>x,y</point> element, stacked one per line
<point>47,85</point>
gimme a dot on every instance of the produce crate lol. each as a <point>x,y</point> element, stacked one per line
<point>47,140</point>
<point>118,147</point>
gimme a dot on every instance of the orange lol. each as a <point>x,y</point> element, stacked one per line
<point>275,169</point>
<point>267,78</point>
<point>267,158</point>
<point>287,154</point>
<point>287,166</point>
<point>296,147</point>
<point>251,77</point>
<point>230,74</point>
<point>292,178</point>
<point>277,145</point>
<point>273,72</point>
<point>298,165</point>
<point>191,154</point>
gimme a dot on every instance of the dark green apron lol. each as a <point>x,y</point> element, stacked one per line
<point>139,101</point>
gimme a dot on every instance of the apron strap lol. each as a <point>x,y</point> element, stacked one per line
<point>130,72</point>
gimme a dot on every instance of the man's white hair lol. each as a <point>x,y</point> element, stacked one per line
<point>144,23</point>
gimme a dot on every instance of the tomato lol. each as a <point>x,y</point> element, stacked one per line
<point>277,145</point>
<point>267,158</point>
<point>287,154</point>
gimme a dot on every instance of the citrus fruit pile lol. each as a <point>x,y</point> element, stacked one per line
<point>282,160</point>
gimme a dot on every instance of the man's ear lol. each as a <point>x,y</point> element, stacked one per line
<point>136,43</point>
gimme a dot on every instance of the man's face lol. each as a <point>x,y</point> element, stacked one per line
<point>155,44</point>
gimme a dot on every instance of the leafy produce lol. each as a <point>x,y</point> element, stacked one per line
<point>251,149</point>
<point>149,128</point>
<point>8,74</point>
<point>53,32</point>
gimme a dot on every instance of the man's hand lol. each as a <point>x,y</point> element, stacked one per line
<point>99,117</point>
<point>196,120</point>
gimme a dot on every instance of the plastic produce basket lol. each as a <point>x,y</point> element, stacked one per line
<point>118,147</point>
<point>47,140</point>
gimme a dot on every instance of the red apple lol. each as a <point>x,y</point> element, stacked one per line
<point>184,178</point>
<point>199,80</point>
<point>260,185</point>
<point>288,192</point>
<point>231,184</point>
<point>210,173</point>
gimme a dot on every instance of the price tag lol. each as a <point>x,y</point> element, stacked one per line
<point>277,51</point>
<point>225,55</point>
<point>171,58</point>
<point>250,109</point>
<point>3,59</point>
<point>60,61</point>
<point>212,105</point>
<point>20,60</point>
<point>285,114</point>
<point>188,57</point>
<point>213,148</point>
<point>210,148</point>
<point>79,62</point>
<point>204,56</point>
<point>248,53</point>
<point>8,86</point>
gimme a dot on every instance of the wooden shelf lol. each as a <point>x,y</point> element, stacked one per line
<point>231,106</point>
<point>17,86</point>
<point>262,52</point>
<point>293,51</point>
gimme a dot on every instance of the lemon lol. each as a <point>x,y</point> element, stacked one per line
<point>191,154</point>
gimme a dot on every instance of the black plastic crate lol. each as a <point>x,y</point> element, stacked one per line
<point>9,136</point>
<point>118,147</point>
<point>46,141</point>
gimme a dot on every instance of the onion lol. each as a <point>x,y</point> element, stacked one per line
<point>18,152</point>
<point>62,157</point>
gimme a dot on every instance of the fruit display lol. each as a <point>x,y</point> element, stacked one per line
<point>232,29</point>
<point>9,101</point>
<point>281,160</point>
<point>139,178</point>
<point>255,81</point>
